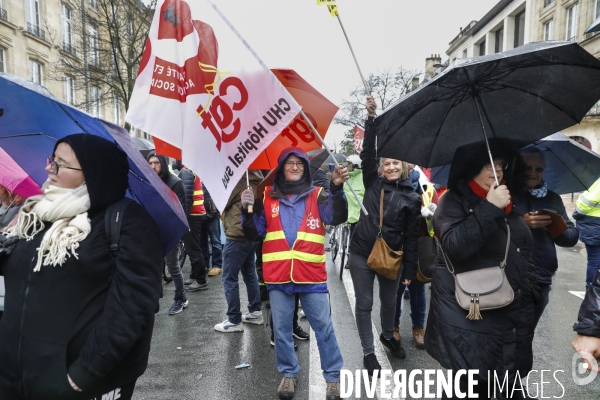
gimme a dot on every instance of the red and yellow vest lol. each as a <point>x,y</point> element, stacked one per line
<point>305,261</point>
<point>198,204</point>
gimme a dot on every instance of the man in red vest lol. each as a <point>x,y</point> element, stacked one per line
<point>290,217</point>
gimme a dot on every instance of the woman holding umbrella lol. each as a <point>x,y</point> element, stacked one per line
<point>79,317</point>
<point>401,228</point>
<point>472,221</point>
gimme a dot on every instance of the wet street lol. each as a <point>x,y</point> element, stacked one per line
<point>190,360</point>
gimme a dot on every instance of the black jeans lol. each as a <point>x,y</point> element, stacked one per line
<point>541,304</point>
<point>193,248</point>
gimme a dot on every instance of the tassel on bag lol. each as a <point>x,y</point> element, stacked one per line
<point>474,313</point>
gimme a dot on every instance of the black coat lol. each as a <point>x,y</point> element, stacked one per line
<point>401,211</point>
<point>92,317</point>
<point>472,232</point>
<point>544,247</point>
<point>187,180</point>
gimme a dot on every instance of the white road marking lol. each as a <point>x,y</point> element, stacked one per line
<point>578,294</point>
<point>317,387</point>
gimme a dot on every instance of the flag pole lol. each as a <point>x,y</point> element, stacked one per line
<point>333,158</point>
<point>250,208</point>
<point>367,89</point>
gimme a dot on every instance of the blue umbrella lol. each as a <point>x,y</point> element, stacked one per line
<point>570,167</point>
<point>32,120</point>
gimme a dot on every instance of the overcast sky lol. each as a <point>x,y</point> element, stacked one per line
<point>300,35</point>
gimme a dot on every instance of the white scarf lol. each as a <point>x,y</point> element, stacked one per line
<point>67,210</point>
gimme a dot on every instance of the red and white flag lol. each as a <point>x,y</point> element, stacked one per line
<point>203,89</point>
<point>359,135</point>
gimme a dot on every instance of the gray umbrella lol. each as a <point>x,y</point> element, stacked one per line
<point>570,167</point>
<point>144,145</point>
<point>594,27</point>
<point>520,95</point>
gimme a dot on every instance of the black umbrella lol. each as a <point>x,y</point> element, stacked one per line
<point>520,95</point>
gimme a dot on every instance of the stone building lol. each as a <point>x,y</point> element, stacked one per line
<point>48,42</point>
<point>502,28</point>
<point>568,20</point>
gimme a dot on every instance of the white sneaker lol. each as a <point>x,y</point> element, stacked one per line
<point>227,326</point>
<point>254,317</point>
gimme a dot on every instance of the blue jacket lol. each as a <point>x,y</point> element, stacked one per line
<point>543,248</point>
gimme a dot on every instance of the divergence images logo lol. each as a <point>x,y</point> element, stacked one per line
<point>579,368</point>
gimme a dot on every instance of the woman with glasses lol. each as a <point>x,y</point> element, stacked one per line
<point>78,317</point>
<point>534,200</point>
<point>471,222</point>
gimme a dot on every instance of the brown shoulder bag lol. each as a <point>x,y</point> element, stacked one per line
<point>382,259</point>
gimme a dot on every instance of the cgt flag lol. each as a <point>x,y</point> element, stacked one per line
<point>201,88</point>
<point>331,6</point>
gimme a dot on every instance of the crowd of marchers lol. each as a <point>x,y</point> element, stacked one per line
<point>79,308</point>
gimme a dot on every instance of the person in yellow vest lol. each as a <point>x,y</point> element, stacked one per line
<point>291,216</point>
<point>196,215</point>
<point>587,217</point>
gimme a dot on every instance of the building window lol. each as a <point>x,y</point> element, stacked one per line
<point>66,29</point>
<point>482,48</point>
<point>95,109</point>
<point>465,53</point>
<point>2,60</point>
<point>597,8</point>
<point>548,29</point>
<point>572,22</point>
<point>94,51</point>
<point>35,72</point>
<point>117,112</point>
<point>499,46</point>
<point>520,29</point>
<point>93,3</point>
<point>69,90</point>
<point>548,2</point>
<point>33,12</point>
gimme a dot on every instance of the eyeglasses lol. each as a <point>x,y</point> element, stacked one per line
<point>298,164</point>
<point>539,170</point>
<point>498,164</point>
<point>54,166</point>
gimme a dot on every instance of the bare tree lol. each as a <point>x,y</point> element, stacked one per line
<point>101,50</point>
<point>386,87</point>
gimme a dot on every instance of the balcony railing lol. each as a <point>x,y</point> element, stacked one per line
<point>36,31</point>
<point>3,14</point>
<point>69,48</point>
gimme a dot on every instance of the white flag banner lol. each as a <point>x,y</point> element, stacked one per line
<point>203,89</point>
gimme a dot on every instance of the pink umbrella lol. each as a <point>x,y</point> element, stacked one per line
<point>15,179</point>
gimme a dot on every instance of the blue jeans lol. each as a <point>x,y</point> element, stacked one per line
<point>239,256</point>
<point>593,263</point>
<point>418,303</point>
<point>316,308</point>
<point>212,230</point>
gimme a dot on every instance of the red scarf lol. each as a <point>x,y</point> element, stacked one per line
<point>481,192</point>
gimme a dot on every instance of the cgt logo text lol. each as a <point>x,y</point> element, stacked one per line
<point>431,383</point>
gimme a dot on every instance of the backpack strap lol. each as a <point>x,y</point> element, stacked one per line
<point>112,223</point>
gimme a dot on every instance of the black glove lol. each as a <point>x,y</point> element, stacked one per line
<point>7,245</point>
